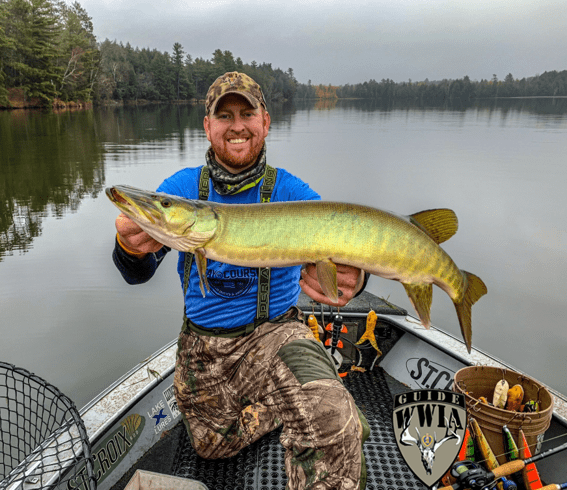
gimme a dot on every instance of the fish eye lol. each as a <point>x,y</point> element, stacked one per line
<point>166,203</point>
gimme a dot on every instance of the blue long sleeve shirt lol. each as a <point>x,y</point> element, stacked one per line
<point>232,300</point>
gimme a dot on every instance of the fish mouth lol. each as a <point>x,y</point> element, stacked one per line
<point>115,196</point>
<point>137,205</point>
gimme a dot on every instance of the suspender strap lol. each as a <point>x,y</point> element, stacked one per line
<point>204,184</point>
<point>263,307</point>
<point>263,304</point>
<point>268,185</point>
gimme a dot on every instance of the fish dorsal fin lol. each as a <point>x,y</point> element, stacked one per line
<point>439,224</point>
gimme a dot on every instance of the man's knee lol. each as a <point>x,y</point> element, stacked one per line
<point>334,410</point>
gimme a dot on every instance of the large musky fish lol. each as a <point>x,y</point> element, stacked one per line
<point>405,249</point>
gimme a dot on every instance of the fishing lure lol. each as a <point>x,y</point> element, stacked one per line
<point>485,450</point>
<point>531,406</point>
<point>510,447</point>
<point>369,334</point>
<point>514,398</point>
<point>530,474</point>
<point>314,326</point>
<point>466,453</point>
<point>500,393</point>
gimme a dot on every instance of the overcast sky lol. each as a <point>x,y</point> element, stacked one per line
<point>352,41</point>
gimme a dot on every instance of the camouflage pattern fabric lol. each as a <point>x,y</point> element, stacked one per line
<point>232,391</point>
<point>234,83</point>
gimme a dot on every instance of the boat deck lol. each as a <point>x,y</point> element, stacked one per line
<point>261,465</point>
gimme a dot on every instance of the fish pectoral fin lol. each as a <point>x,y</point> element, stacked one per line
<point>327,277</point>
<point>420,296</point>
<point>439,224</point>
<point>201,261</point>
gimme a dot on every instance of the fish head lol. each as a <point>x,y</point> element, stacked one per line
<point>174,221</point>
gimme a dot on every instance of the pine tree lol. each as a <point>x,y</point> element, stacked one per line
<point>31,62</point>
<point>6,45</point>
<point>183,86</point>
<point>79,57</point>
<point>43,76</point>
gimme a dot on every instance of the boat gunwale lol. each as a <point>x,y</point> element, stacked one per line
<point>436,337</point>
<point>105,409</point>
<point>456,348</point>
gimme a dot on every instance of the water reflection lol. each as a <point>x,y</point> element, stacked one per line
<point>406,157</point>
<point>149,123</point>
<point>544,106</point>
<point>49,162</point>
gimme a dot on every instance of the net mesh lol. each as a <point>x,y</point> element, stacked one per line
<point>43,441</point>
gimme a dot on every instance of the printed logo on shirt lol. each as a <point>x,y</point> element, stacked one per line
<point>231,283</point>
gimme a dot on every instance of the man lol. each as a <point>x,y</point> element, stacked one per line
<point>246,362</point>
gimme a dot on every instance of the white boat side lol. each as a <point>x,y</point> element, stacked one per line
<point>110,405</point>
<point>133,414</point>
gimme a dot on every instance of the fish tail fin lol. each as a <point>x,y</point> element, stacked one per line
<point>474,291</point>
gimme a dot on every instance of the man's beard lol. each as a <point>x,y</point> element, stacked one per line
<point>227,183</point>
<point>237,162</point>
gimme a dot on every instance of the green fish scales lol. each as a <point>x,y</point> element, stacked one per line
<point>395,247</point>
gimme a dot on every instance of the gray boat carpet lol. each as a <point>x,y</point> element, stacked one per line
<point>261,465</point>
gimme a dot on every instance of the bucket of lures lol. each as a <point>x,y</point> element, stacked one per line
<point>496,397</point>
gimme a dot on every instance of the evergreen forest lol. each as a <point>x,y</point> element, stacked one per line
<point>49,55</point>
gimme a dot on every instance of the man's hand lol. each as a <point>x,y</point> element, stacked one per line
<point>135,240</point>
<point>349,281</point>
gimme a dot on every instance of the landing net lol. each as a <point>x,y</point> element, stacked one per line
<point>43,441</point>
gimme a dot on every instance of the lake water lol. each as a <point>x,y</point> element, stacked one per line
<point>67,315</point>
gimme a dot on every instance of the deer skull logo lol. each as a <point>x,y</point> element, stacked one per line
<point>429,426</point>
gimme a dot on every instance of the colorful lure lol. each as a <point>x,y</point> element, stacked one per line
<point>515,398</point>
<point>531,406</point>
<point>500,394</point>
<point>464,452</point>
<point>510,447</point>
<point>485,450</point>
<point>314,326</point>
<point>530,474</point>
<point>369,332</point>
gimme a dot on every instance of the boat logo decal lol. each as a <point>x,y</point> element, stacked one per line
<point>169,396</point>
<point>429,427</point>
<point>429,374</point>
<point>108,453</point>
<point>159,416</point>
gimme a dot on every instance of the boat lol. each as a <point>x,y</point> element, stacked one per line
<point>135,428</point>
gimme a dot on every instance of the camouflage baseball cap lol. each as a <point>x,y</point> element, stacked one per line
<point>234,83</point>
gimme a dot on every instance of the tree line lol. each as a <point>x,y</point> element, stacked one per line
<point>49,53</point>
<point>128,73</point>
<point>47,50</point>
<point>552,83</point>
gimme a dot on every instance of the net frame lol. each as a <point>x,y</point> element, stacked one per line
<point>43,440</point>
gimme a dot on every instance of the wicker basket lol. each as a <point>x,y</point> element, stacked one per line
<point>477,381</point>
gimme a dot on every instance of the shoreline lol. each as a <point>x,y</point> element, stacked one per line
<point>16,102</point>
